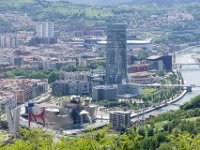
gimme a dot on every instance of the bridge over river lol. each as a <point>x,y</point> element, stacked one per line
<point>180,65</point>
<point>191,74</point>
<point>184,86</point>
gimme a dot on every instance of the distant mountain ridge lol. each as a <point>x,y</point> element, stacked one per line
<point>99,2</point>
<point>117,2</point>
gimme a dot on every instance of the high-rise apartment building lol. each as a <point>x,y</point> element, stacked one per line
<point>116,65</point>
<point>120,120</point>
<point>8,41</point>
<point>45,30</point>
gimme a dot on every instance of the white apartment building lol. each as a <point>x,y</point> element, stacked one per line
<point>8,41</point>
<point>45,30</point>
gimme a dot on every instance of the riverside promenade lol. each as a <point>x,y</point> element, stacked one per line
<point>161,105</point>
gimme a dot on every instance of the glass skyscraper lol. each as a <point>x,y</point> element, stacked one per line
<point>116,65</point>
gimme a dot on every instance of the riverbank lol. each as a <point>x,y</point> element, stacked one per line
<point>163,104</point>
<point>150,109</point>
<point>188,48</point>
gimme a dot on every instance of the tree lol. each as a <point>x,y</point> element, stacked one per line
<point>141,132</point>
<point>9,74</point>
<point>148,143</point>
<point>92,65</point>
<point>150,132</point>
<point>165,146</point>
<point>194,103</point>
<point>69,68</point>
<point>32,139</point>
<point>36,75</point>
<point>160,138</point>
<point>1,115</point>
<point>53,77</point>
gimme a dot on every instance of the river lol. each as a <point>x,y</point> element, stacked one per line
<point>191,75</point>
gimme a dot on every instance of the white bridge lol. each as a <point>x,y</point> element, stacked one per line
<point>186,87</point>
<point>168,85</point>
<point>186,64</point>
<point>180,65</point>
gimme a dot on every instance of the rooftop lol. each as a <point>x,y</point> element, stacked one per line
<point>104,87</point>
<point>119,112</point>
<point>138,65</point>
<point>130,42</point>
<point>141,74</point>
<point>153,57</point>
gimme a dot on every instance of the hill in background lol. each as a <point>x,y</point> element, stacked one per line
<point>95,2</point>
<point>118,2</point>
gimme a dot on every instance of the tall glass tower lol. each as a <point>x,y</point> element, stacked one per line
<point>116,65</point>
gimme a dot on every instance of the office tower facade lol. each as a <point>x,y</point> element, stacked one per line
<point>45,30</point>
<point>103,92</point>
<point>116,65</point>
<point>120,120</point>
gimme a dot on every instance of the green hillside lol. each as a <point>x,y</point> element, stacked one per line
<point>177,130</point>
<point>15,4</point>
<point>76,14</point>
<point>61,12</point>
<point>119,2</point>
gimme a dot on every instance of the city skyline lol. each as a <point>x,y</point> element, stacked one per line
<point>99,75</point>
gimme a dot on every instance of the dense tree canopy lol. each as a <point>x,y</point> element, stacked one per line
<point>175,130</point>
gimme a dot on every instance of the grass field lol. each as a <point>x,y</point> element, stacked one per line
<point>149,91</point>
